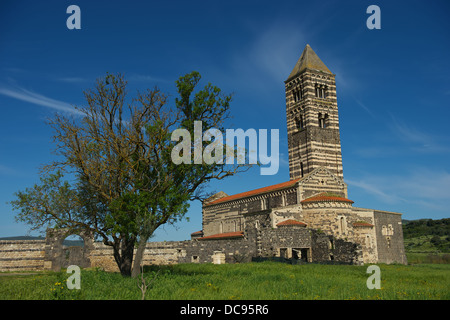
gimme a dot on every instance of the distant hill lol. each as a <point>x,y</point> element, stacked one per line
<point>427,235</point>
<point>22,238</point>
<point>68,243</point>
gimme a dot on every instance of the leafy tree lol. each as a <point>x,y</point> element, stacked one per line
<point>126,184</point>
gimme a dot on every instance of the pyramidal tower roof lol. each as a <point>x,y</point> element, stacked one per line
<point>308,60</point>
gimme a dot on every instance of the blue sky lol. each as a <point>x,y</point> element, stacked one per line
<point>393,84</point>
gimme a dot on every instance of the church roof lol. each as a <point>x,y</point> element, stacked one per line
<point>308,60</point>
<point>250,193</point>
<point>326,197</point>
<point>291,222</point>
<point>226,235</point>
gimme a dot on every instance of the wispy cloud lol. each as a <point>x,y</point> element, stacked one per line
<point>422,187</point>
<point>8,171</point>
<point>74,79</point>
<point>417,140</point>
<point>277,49</point>
<point>405,139</point>
<point>38,99</point>
<point>271,54</point>
<point>367,109</point>
<point>376,190</point>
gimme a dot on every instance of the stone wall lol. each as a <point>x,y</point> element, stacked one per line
<point>389,234</point>
<point>260,239</point>
<point>156,253</point>
<point>20,255</point>
<point>204,251</point>
<point>58,256</point>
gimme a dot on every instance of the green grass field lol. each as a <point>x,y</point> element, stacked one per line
<point>252,281</point>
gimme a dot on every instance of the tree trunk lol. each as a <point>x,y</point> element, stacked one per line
<point>138,258</point>
<point>124,256</point>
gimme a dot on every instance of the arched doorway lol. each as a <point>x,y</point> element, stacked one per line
<point>73,253</point>
<point>64,248</point>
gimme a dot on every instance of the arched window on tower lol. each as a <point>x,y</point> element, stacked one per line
<point>321,90</point>
<point>297,94</point>
<point>299,124</point>
<point>323,120</point>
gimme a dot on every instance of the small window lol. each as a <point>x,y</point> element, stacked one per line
<point>264,204</point>
<point>323,120</point>
<point>342,226</point>
<point>299,122</point>
<point>321,123</point>
<point>297,94</point>
<point>320,119</point>
<point>321,90</point>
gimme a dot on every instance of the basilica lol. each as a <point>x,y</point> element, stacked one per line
<point>309,217</point>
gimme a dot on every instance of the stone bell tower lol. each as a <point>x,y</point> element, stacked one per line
<point>312,117</point>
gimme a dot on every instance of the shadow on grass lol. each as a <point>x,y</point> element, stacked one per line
<point>176,270</point>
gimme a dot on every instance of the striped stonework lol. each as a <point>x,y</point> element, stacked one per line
<point>312,118</point>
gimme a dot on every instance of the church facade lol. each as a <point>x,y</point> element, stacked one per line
<point>310,217</point>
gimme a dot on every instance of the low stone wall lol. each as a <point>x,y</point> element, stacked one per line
<point>22,255</point>
<point>156,253</point>
<point>264,241</point>
<point>206,251</point>
<point>33,255</point>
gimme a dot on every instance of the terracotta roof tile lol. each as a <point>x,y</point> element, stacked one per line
<point>291,222</point>
<point>322,197</point>
<point>227,235</point>
<point>246,194</point>
<point>196,232</point>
